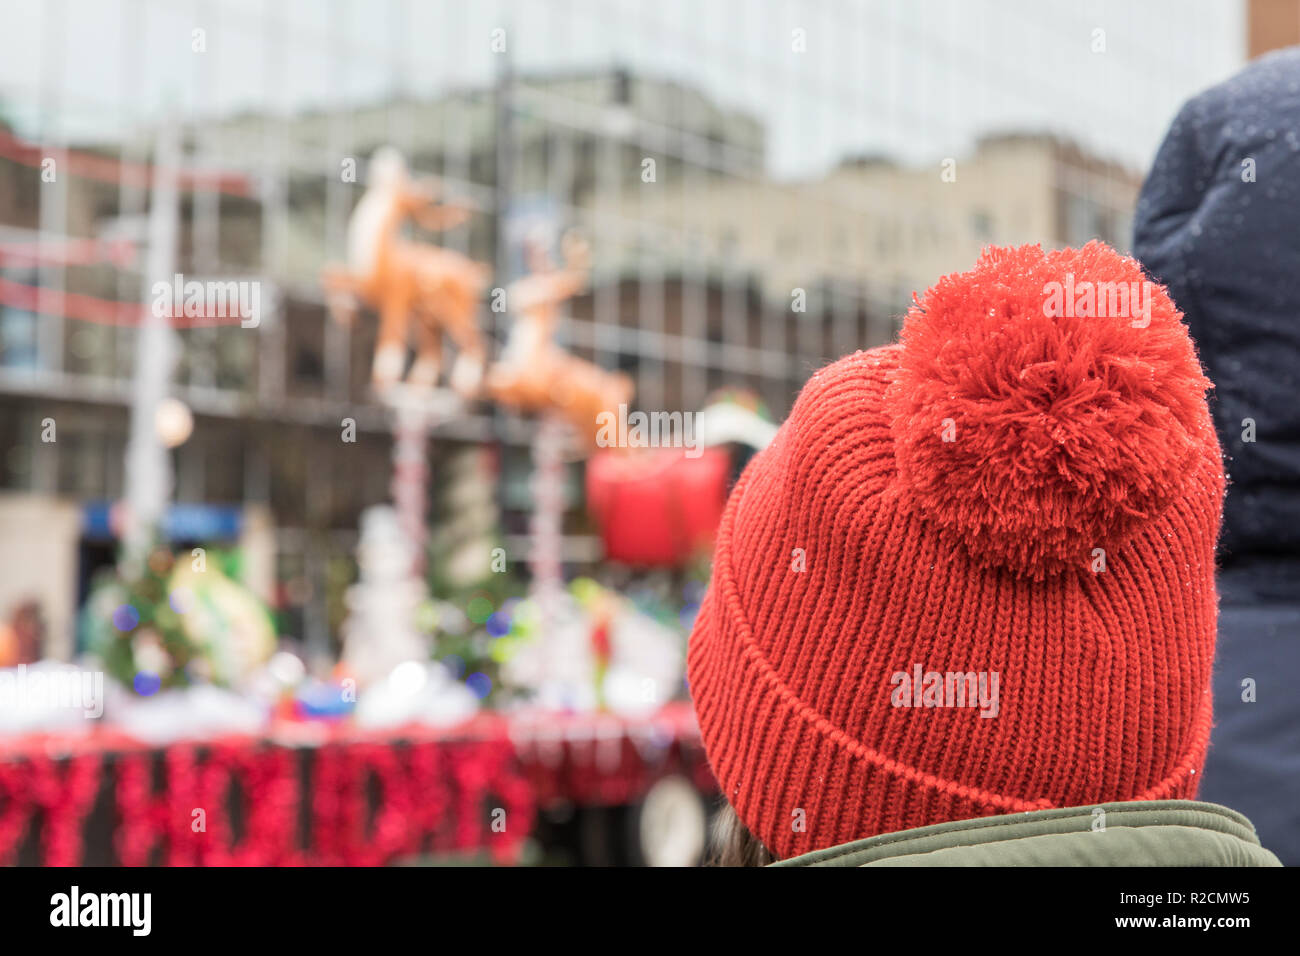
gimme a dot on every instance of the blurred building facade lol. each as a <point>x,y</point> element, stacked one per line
<point>698,259</point>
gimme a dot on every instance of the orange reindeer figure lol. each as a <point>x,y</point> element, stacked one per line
<point>398,278</point>
<point>534,374</point>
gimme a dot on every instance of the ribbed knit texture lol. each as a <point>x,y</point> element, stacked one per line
<point>1103,675</point>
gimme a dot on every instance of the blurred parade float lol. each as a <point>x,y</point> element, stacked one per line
<point>573,647</point>
<point>438,621</point>
<point>581,682</point>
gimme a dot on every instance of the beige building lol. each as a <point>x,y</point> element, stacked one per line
<point>887,229</point>
<point>38,562</point>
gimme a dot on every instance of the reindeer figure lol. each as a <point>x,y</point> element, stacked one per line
<point>399,278</point>
<point>534,374</point>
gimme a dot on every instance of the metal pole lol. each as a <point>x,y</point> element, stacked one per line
<point>505,164</point>
<point>504,131</point>
<point>546,557</point>
<point>149,478</point>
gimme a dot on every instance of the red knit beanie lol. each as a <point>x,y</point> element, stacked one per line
<point>974,572</point>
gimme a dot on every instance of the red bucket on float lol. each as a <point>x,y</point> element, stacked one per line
<point>656,506</point>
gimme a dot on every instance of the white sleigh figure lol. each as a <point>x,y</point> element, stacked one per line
<point>645,663</point>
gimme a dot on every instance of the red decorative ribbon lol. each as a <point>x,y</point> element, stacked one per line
<point>361,803</point>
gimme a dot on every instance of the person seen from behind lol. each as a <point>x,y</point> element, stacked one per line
<point>962,609</point>
<point>1218,221</point>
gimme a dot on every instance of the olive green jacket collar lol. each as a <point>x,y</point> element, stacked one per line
<point>1147,833</point>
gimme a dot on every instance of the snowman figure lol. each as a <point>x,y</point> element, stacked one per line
<point>381,632</point>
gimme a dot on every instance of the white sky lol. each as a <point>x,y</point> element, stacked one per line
<point>915,78</point>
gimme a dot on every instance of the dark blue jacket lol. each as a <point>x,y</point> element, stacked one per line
<point>1218,222</point>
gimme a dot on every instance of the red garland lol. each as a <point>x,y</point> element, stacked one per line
<point>432,796</point>
<point>147,821</point>
<point>414,799</point>
<point>35,785</point>
<point>340,806</point>
<point>269,784</point>
<point>15,810</point>
<point>489,769</point>
<point>428,780</point>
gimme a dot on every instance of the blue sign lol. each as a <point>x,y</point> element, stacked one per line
<point>183,522</point>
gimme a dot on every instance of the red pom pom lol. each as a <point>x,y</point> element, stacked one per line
<point>1046,403</point>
